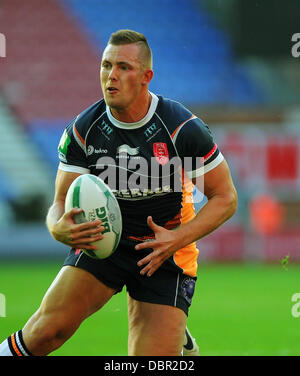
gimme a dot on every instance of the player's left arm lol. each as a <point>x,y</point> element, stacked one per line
<point>222,203</point>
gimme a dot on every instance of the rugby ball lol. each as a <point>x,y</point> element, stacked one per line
<point>95,198</point>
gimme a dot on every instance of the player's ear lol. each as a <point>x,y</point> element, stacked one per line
<point>147,76</point>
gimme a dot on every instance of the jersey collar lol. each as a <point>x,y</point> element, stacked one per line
<point>138,124</point>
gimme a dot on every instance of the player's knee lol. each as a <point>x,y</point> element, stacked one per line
<point>47,332</point>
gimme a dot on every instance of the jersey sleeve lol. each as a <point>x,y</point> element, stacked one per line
<point>71,151</point>
<point>196,147</point>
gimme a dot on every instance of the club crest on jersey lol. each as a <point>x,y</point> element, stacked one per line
<point>161,153</point>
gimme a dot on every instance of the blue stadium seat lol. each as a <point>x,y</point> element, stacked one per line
<point>46,136</point>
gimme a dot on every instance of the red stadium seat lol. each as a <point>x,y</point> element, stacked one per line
<point>46,57</point>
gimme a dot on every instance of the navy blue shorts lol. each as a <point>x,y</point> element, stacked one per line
<point>168,285</point>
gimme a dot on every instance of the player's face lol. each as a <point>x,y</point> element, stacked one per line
<point>122,76</point>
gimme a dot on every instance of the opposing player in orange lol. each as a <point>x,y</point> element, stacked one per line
<point>150,150</point>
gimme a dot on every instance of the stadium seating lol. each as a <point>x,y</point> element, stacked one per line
<point>50,71</point>
<point>23,170</point>
<point>47,134</point>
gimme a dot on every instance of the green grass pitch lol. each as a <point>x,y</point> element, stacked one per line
<point>238,309</point>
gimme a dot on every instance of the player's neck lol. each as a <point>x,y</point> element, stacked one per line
<point>134,113</point>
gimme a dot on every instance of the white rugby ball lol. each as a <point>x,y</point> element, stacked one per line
<point>95,198</point>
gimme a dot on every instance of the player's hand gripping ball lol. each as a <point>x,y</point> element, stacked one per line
<point>95,198</point>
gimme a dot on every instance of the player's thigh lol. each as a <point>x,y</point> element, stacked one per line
<point>74,295</point>
<point>155,329</point>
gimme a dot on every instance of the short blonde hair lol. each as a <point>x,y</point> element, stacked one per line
<point>126,36</point>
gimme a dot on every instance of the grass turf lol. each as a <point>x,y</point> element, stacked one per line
<point>238,309</point>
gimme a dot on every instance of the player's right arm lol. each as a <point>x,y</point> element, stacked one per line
<point>61,225</point>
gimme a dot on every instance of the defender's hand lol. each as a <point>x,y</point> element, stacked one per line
<point>164,246</point>
<point>77,235</point>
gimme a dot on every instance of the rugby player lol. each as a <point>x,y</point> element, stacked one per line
<point>141,133</point>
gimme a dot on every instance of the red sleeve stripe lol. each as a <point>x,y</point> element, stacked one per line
<point>208,155</point>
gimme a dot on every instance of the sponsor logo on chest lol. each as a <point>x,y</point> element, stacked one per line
<point>91,150</point>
